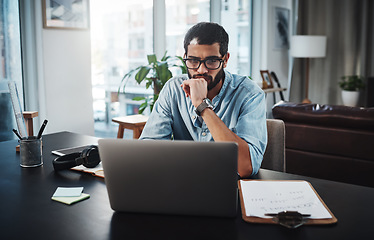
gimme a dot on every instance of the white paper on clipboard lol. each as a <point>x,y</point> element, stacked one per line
<point>261,197</point>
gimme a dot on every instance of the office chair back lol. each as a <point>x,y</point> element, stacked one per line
<point>274,156</point>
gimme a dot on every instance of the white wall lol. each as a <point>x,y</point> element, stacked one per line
<point>265,55</point>
<point>57,73</point>
<point>277,59</point>
<point>67,80</point>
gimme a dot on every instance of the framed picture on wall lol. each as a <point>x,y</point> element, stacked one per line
<point>66,14</point>
<point>266,79</point>
<point>281,28</point>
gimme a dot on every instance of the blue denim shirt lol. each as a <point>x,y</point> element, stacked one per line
<point>240,104</point>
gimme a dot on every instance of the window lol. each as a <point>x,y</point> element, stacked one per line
<point>235,18</point>
<point>10,64</point>
<point>181,15</point>
<point>121,37</point>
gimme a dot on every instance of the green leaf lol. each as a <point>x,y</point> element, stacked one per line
<point>138,98</point>
<point>152,58</point>
<point>126,78</point>
<point>352,83</point>
<point>142,107</point>
<point>123,83</point>
<point>165,58</point>
<point>183,68</point>
<point>143,72</point>
<point>164,73</point>
<point>148,84</point>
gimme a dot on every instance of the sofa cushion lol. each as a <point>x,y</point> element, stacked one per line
<point>329,140</point>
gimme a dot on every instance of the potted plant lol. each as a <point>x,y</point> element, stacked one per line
<point>155,74</point>
<point>351,86</point>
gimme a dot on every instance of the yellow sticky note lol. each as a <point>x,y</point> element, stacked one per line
<point>71,200</point>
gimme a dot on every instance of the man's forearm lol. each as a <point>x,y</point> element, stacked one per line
<point>221,133</point>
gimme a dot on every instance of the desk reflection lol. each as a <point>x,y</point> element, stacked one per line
<point>153,226</point>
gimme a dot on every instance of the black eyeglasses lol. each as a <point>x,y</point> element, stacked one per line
<point>211,63</point>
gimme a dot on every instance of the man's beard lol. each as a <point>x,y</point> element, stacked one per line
<point>211,83</point>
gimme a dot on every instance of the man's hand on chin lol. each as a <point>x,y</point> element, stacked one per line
<point>196,89</point>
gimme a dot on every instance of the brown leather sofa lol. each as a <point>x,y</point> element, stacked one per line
<point>328,141</point>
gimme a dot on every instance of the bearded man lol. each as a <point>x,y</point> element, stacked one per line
<point>211,104</point>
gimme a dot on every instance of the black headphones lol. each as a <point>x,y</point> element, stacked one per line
<point>89,157</point>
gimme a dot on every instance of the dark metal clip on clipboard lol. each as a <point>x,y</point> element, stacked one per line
<point>289,219</point>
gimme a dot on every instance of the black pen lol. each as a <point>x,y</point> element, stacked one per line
<point>42,129</point>
<point>16,132</point>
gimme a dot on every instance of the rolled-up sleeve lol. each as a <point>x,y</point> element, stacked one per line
<point>251,127</point>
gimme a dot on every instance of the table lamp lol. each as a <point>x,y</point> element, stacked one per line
<point>304,46</point>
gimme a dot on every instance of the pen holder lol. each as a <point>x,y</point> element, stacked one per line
<point>31,152</point>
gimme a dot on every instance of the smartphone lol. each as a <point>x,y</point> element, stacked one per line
<point>64,151</point>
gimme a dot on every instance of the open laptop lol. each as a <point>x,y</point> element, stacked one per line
<point>171,177</point>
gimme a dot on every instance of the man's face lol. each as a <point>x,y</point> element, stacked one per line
<point>202,52</point>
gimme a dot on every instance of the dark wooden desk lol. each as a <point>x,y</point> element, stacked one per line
<point>27,211</point>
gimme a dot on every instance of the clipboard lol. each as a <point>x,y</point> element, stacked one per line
<point>253,219</point>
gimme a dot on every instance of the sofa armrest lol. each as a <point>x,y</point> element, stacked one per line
<point>325,115</point>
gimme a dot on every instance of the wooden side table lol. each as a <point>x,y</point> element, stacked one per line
<point>28,116</point>
<point>134,122</point>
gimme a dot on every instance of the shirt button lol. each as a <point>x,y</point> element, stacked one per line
<point>204,134</point>
<point>194,117</point>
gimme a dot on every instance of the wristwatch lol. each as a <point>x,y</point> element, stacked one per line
<point>205,104</point>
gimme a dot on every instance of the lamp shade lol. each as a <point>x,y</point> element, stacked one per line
<point>305,46</point>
